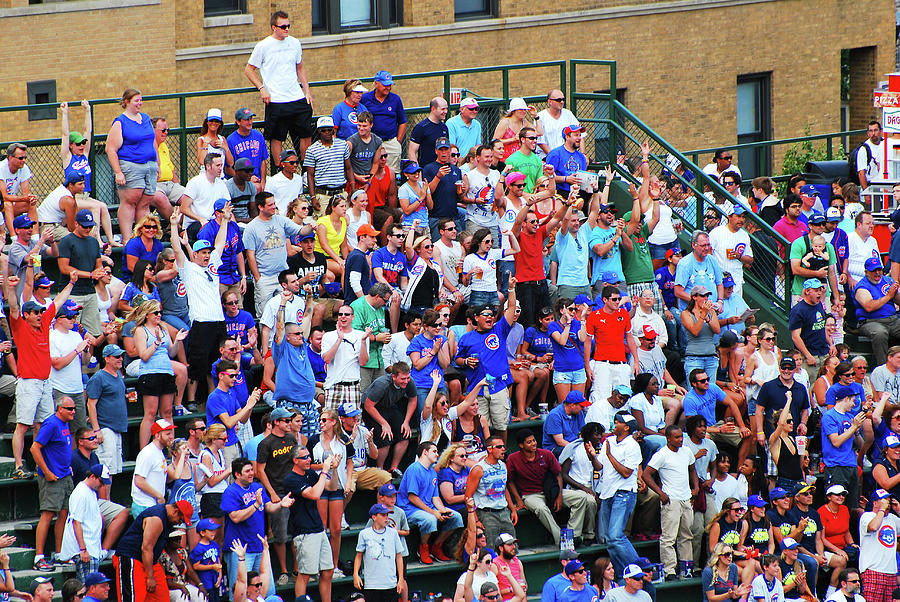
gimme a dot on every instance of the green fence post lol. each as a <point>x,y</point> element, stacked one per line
<point>91,151</point>
<point>182,137</point>
<point>612,111</point>
<point>505,83</point>
<point>573,64</point>
<point>447,87</point>
<point>562,77</point>
<point>829,153</point>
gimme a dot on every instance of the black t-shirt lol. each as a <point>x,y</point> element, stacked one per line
<point>425,134</point>
<point>772,396</point>
<point>779,522</point>
<point>810,320</point>
<point>787,575</point>
<point>81,466</point>
<point>386,395</point>
<point>319,265</point>
<point>305,517</point>
<point>82,254</point>
<point>813,527</point>
<point>275,452</point>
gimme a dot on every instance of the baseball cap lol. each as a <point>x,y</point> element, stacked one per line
<point>787,362</point>
<point>836,489</point>
<point>289,152</point>
<point>729,339</point>
<point>242,164</point>
<point>872,264</point>
<point>442,142</point>
<point>582,299</point>
<point>777,493</point>
<point>803,488</point>
<point>515,176</point>
<point>573,566</point>
<point>379,509</point>
<point>609,278</point>
<point>279,414</point>
<point>387,489</point>
<point>738,210</point>
<point>348,409</point>
<point>214,115</point>
<point>244,113</point>
<point>577,397</point>
<point>891,441</point>
<point>626,418</point>
<point>307,236</point>
<point>813,283</point>
<point>644,563</point>
<point>384,78</point>
<point>37,582</point>
<point>700,290</point>
<point>756,502</point>
<point>367,230</point>
<point>76,137</point>
<point>568,554</point>
<point>672,252</point>
<point>23,221</point>
<point>816,219</point>
<point>113,349</point>
<point>604,208</point>
<point>727,281</point>
<point>186,509</point>
<point>468,102</point>
<point>102,472</point>
<point>809,190</point>
<point>789,543</point>
<point>95,578</point>
<point>412,167</point>
<point>201,245</point>
<point>843,392</point>
<point>569,129</point>
<point>219,205</point>
<point>44,281</point>
<point>880,494</point>
<point>206,524</point>
<point>161,425</point>
<point>505,538</point>
<point>648,332</point>
<point>633,571</point>
<point>66,312</point>
<point>622,390</point>
<point>32,306</point>
<point>85,219</point>
<point>833,215</point>
<point>73,177</point>
<point>325,121</point>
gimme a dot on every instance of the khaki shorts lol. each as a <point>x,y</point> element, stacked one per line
<point>369,478</point>
<point>313,553</point>
<point>496,409</point>
<point>172,190</point>
<point>34,400</point>
<point>109,510</point>
<point>53,497</point>
<point>278,521</point>
<point>59,230</point>
<point>734,438</point>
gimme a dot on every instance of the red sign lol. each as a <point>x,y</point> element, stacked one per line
<point>882,98</point>
<point>456,96</point>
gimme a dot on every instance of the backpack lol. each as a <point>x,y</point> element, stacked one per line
<point>851,162</point>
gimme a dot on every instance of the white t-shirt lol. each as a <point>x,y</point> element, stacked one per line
<point>628,453</point>
<point>481,190</point>
<point>885,382</point>
<point>478,581</point>
<point>553,129</point>
<point>83,507</point>
<point>67,380</point>
<point>486,279</point>
<point>620,594</point>
<point>878,549</point>
<point>601,412</point>
<point>712,169</point>
<point>48,211</point>
<point>451,259</point>
<point>837,596</point>
<point>150,464</point>
<point>701,465</point>
<point>722,490</point>
<point>506,223</point>
<point>874,168</point>
<point>858,251</point>
<point>277,62</point>
<point>426,426</point>
<point>664,232</point>
<point>345,365</point>
<point>293,312</point>
<point>581,470</point>
<point>761,592</point>
<point>204,195</point>
<point>672,467</point>
<point>284,190</point>
<point>722,240</point>
<point>354,224</point>
<point>654,414</point>
<point>13,181</point>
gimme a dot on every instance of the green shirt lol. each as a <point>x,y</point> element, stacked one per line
<point>366,316</point>
<point>531,166</point>
<point>636,264</point>
<point>799,249</point>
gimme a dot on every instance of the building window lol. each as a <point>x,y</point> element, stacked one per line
<point>473,9</point>
<point>754,114</point>
<point>338,16</point>
<point>41,92</point>
<point>212,8</point>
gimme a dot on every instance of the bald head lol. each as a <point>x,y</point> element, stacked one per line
<point>438,108</point>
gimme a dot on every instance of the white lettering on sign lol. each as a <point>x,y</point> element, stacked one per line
<point>885,99</point>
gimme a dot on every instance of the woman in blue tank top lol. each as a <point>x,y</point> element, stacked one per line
<point>132,151</point>
<point>75,152</point>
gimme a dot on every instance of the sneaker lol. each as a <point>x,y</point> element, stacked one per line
<point>338,573</point>
<point>44,565</point>
<point>531,413</point>
<point>425,554</point>
<point>22,473</point>
<point>344,524</point>
<point>62,561</point>
<point>672,577</point>
<point>283,579</point>
<point>438,554</point>
<point>397,473</point>
<point>867,464</point>
<point>106,555</point>
<point>191,407</point>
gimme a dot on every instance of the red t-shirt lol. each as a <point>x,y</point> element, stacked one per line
<point>609,331</point>
<point>33,345</point>
<point>834,528</point>
<point>529,476</point>
<point>378,189</point>
<point>530,259</point>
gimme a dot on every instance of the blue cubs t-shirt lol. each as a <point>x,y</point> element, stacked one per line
<point>665,280</point>
<point>420,481</point>
<point>568,357</point>
<point>236,497</point>
<point>56,442</point>
<point>566,163</point>
<point>393,265</point>
<point>222,402</point>
<point>834,422</point>
<point>539,342</point>
<point>490,348</point>
<point>422,377</point>
<point>206,553</point>
<point>239,325</point>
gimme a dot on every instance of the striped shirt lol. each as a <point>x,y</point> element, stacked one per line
<point>328,161</point>
<point>202,284</point>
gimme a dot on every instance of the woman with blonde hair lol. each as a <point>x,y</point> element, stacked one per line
<point>345,112</point>
<point>214,472</point>
<point>330,442</point>
<point>156,378</point>
<point>453,472</point>
<point>507,130</point>
<point>720,576</point>
<point>331,236</point>
<point>212,141</point>
<point>425,275</point>
<point>131,150</point>
<point>144,243</point>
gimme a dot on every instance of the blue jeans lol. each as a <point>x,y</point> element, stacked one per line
<point>252,559</point>
<point>613,514</point>
<point>708,364</point>
<point>477,298</point>
<point>421,394</point>
<point>812,568</point>
<point>505,269</point>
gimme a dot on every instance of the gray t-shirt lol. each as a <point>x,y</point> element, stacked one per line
<point>397,519</point>
<point>882,381</point>
<point>241,199</point>
<point>380,551</point>
<point>267,240</point>
<point>620,594</point>
<point>17,253</point>
<point>363,153</point>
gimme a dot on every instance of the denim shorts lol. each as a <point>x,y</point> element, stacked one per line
<point>573,377</point>
<point>659,251</point>
<point>140,175</point>
<point>477,298</point>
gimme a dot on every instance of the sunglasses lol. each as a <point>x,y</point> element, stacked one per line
<point>67,408</point>
<point>151,227</point>
<point>454,154</point>
<point>728,158</point>
<point>199,428</point>
<point>164,130</point>
<point>257,584</point>
<point>700,381</point>
<point>231,303</point>
<point>768,338</point>
<point>725,554</point>
<point>427,246</point>
<point>284,27</point>
<point>291,162</point>
<point>343,313</point>
<point>91,438</point>
<point>530,137</point>
<point>563,99</point>
<point>486,314</point>
<point>304,457</point>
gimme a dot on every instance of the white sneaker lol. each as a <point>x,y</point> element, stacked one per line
<point>867,464</point>
<point>338,574</point>
<point>344,524</point>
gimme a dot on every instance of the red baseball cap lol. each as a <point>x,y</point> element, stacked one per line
<point>649,333</point>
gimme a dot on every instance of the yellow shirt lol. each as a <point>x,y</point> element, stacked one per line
<point>166,167</point>
<point>335,237</point>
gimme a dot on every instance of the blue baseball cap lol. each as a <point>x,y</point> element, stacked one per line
<point>85,218</point>
<point>113,349</point>
<point>202,245</point>
<point>32,306</point>
<point>583,299</point>
<point>756,502</point>
<point>23,221</point>
<point>872,264</point>
<point>384,78</point>
<point>73,177</point>
<point>66,312</point>
<point>95,578</point>
<point>44,281</point>
<point>379,509</point>
<point>577,398</point>
<point>412,167</point>
<point>349,410</point>
<point>573,566</point>
<point>727,281</point>
<point>777,493</point>
<point>812,283</point>
<point>843,392</point>
<point>809,190</point>
<point>816,219</point>
<point>101,472</point>
<point>609,278</point>
<point>623,390</point>
<point>219,205</point>
<point>387,489</point>
<point>307,236</point>
<point>788,543</point>
<point>206,524</point>
<point>738,210</point>
<point>880,494</point>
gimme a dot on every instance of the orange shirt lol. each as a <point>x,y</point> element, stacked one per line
<point>608,331</point>
<point>834,527</point>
